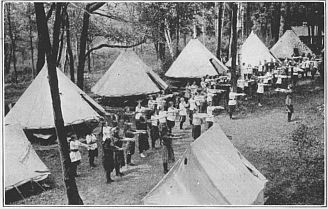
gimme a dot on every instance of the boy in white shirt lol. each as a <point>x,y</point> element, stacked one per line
<point>210,117</point>
<point>197,122</point>
<point>182,112</point>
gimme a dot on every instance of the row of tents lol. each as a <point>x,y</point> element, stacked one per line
<point>199,181</point>
<point>253,51</point>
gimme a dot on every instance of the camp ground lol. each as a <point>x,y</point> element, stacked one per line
<point>164,104</point>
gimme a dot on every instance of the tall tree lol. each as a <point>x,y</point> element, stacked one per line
<point>177,29</point>
<point>219,12</point>
<point>13,39</point>
<point>52,53</point>
<point>29,14</point>
<point>69,47</point>
<point>234,46</point>
<point>90,7</point>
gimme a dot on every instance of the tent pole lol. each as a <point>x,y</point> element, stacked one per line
<point>20,193</point>
<point>40,186</point>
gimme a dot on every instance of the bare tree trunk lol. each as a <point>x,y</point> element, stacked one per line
<point>31,38</point>
<point>234,47</point>
<point>69,49</point>
<point>13,40</point>
<point>282,18</point>
<point>51,53</point>
<point>89,59</point>
<point>83,40</point>
<point>177,30</point>
<point>7,49</point>
<point>219,26</point>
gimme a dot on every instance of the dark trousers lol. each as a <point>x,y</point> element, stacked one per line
<point>289,115</point>
<point>210,124</point>
<point>196,131</point>
<point>74,167</point>
<point>128,158</point>
<point>183,119</point>
<point>170,125</point>
<point>190,116</point>
<point>108,178</point>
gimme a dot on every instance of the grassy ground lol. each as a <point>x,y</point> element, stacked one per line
<point>262,134</point>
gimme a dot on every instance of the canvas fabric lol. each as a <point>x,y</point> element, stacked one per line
<point>21,163</point>
<point>211,172</point>
<point>34,110</point>
<point>195,61</point>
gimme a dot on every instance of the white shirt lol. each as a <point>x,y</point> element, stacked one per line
<point>260,88</point>
<point>139,111</point>
<point>76,155</point>
<point>182,108</point>
<point>106,132</point>
<point>91,141</point>
<point>209,111</point>
<point>151,104</point>
<point>203,84</point>
<point>171,112</point>
<point>232,99</point>
<point>162,116</point>
<point>154,120</point>
<point>196,120</point>
<point>192,103</point>
<point>209,97</point>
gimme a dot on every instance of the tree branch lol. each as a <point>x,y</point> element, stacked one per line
<point>113,46</point>
<point>94,6</point>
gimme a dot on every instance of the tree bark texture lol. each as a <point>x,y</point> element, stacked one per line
<point>91,7</point>
<point>69,48</point>
<point>219,26</point>
<point>234,47</point>
<point>13,41</point>
<point>51,53</point>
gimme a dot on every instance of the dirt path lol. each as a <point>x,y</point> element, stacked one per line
<point>258,136</point>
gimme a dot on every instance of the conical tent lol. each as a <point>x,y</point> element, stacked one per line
<point>211,172</point>
<point>253,52</point>
<point>22,164</point>
<point>195,61</point>
<point>128,76</point>
<point>286,44</point>
<point>34,110</point>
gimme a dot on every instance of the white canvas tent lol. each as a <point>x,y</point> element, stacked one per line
<point>253,52</point>
<point>21,163</point>
<point>128,76</point>
<point>33,110</point>
<point>211,172</point>
<point>286,44</point>
<point>195,61</point>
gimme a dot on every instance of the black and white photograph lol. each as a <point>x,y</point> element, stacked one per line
<point>164,103</point>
